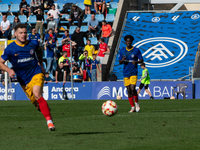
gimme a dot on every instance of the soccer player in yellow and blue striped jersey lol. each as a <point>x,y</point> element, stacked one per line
<point>130,56</point>
<point>29,70</point>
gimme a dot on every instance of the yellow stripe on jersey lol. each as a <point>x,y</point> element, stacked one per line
<point>22,45</point>
<point>129,49</point>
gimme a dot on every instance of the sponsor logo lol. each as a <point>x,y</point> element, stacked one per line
<point>104,91</point>
<point>135,18</point>
<point>16,54</point>
<point>32,51</point>
<point>159,55</point>
<point>155,19</point>
<point>25,59</point>
<point>46,92</point>
<point>132,55</point>
<point>195,16</point>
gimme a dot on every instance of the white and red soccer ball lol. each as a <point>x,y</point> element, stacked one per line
<point>119,97</point>
<point>109,108</point>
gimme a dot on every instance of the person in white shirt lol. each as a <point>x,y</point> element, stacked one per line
<point>5,26</point>
<point>55,13</point>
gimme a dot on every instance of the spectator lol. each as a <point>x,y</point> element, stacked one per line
<point>66,63</point>
<point>39,23</point>
<point>103,49</point>
<point>77,37</point>
<point>55,13</point>
<point>51,34</point>
<point>46,4</point>
<point>93,25</point>
<point>66,34</point>
<point>66,46</point>
<point>86,60</point>
<point>47,78</point>
<point>49,47</point>
<point>52,24</point>
<point>24,7</point>
<point>34,37</point>
<point>89,48</point>
<point>106,31</point>
<point>60,74</point>
<point>100,5</point>
<point>76,70</point>
<point>93,68</point>
<point>35,5</point>
<point>5,27</point>
<point>15,22</point>
<point>88,4</point>
<point>76,14</point>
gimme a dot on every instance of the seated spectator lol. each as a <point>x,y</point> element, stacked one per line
<point>85,62</point>
<point>100,6</point>
<point>34,37</point>
<point>103,49</point>
<point>77,37</point>
<point>52,24</point>
<point>5,27</point>
<point>51,34</point>
<point>55,13</point>
<point>24,7</point>
<point>88,4</point>
<point>47,78</point>
<point>60,74</point>
<point>89,48</point>
<point>66,62</point>
<point>106,31</point>
<point>93,25</point>
<point>49,47</point>
<point>66,34</point>
<point>40,23</point>
<point>35,5</point>
<point>93,68</point>
<point>15,22</point>
<point>76,14</point>
<point>76,70</point>
<point>46,4</point>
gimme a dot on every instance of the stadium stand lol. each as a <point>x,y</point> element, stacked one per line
<point>32,19</point>
<point>84,28</point>
<point>113,4</point>
<point>72,29</point>
<point>110,17</point>
<point>10,18</point>
<point>23,18</point>
<point>14,8</point>
<point>59,6</point>
<point>99,17</point>
<point>64,19</point>
<point>4,8</point>
<point>86,18</point>
<point>81,5</point>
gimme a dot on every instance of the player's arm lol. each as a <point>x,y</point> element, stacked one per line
<point>140,58</point>
<point>56,76</point>
<point>65,74</point>
<point>145,75</point>
<point>39,54</point>
<point>121,57</point>
<point>5,68</point>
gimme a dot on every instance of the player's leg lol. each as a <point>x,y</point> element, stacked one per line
<point>133,81</point>
<point>148,92</point>
<point>140,88</point>
<point>130,96</point>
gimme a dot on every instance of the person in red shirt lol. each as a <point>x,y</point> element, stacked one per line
<point>103,49</point>
<point>106,31</point>
<point>66,45</point>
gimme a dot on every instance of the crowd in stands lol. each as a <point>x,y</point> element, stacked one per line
<point>48,29</point>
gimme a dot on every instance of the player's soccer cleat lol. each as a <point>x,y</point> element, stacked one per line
<point>51,127</point>
<point>137,107</point>
<point>151,97</point>
<point>132,110</point>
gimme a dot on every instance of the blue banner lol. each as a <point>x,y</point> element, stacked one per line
<point>168,42</point>
<point>98,90</point>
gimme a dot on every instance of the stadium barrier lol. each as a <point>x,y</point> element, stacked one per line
<point>99,90</point>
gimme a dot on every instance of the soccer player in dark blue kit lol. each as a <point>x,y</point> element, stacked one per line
<point>130,56</point>
<point>29,70</point>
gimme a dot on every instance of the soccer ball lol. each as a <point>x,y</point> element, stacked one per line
<point>109,108</point>
<point>119,97</point>
<point>172,97</point>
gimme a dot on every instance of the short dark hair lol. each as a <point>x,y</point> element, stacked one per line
<point>142,64</point>
<point>104,21</point>
<point>20,26</point>
<point>102,39</point>
<point>67,30</point>
<point>129,37</point>
<point>32,29</point>
<point>89,40</point>
<point>94,54</point>
<point>46,73</point>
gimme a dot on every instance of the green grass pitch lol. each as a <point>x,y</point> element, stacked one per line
<point>80,125</point>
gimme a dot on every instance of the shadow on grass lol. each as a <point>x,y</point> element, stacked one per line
<point>88,133</point>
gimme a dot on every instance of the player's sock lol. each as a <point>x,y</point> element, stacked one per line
<point>136,99</point>
<point>44,108</point>
<point>131,101</point>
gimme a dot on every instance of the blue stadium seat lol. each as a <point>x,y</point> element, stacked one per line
<point>45,19</point>
<point>60,6</point>
<point>99,17</point>
<point>110,17</point>
<point>43,30</point>
<point>59,41</point>
<point>72,29</point>
<point>81,5</point>
<point>84,28</point>
<point>32,19</point>
<point>11,18</point>
<point>4,8</point>
<point>9,65</point>
<point>23,18</point>
<point>86,18</point>
<point>65,17</point>
<point>93,40</point>
<point>113,5</point>
<point>44,64</point>
<point>14,8</point>
<point>44,54</point>
<point>62,32</point>
<point>85,40</point>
